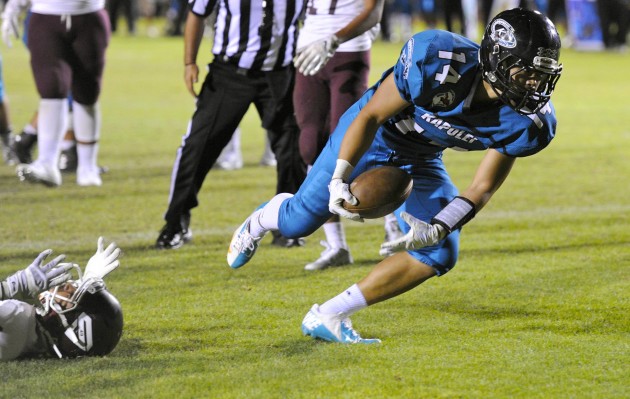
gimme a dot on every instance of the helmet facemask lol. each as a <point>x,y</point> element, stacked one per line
<point>508,82</point>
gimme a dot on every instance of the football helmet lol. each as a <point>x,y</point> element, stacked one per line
<point>80,318</point>
<point>519,58</point>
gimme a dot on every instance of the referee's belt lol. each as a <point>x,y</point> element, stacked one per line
<point>233,63</point>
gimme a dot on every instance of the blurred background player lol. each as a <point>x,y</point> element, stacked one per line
<point>444,91</point>
<point>333,63</point>
<point>252,64</point>
<point>78,33</point>
<point>43,313</point>
<point>231,158</point>
<point>6,137</point>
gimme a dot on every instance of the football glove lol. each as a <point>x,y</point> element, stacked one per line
<point>102,262</point>
<point>420,234</point>
<point>10,26</point>
<point>313,57</point>
<point>36,278</point>
<point>340,191</point>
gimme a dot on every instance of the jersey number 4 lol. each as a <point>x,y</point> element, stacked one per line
<point>449,74</point>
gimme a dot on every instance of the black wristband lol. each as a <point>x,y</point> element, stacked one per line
<point>454,215</point>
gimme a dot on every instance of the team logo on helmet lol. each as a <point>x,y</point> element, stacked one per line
<point>503,33</point>
<point>443,100</point>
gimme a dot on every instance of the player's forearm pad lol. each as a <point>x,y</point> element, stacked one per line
<point>454,215</point>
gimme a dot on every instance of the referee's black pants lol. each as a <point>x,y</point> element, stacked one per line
<point>225,96</point>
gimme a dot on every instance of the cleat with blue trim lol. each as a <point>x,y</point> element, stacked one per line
<point>332,328</point>
<point>243,246</point>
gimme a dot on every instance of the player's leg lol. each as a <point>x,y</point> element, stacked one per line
<point>300,215</point>
<point>6,138</point>
<point>398,273</point>
<point>268,158</point>
<point>52,75</point>
<point>231,157</point>
<point>89,49</point>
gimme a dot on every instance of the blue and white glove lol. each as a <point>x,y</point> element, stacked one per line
<point>420,235</point>
<point>312,58</point>
<point>103,262</point>
<point>340,191</point>
<point>28,283</point>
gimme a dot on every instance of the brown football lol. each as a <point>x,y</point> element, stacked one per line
<point>380,191</point>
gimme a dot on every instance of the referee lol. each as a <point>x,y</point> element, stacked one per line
<point>254,44</point>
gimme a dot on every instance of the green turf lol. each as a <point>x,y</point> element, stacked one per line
<point>536,308</point>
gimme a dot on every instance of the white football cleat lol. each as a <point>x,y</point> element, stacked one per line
<point>86,179</point>
<point>332,328</point>
<point>242,247</point>
<point>39,173</point>
<point>330,257</point>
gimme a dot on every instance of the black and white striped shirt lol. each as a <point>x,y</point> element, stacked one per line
<point>259,35</point>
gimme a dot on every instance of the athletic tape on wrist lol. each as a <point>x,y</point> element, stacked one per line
<point>454,215</point>
<point>343,170</point>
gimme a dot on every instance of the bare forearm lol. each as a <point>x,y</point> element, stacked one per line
<point>490,175</point>
<point>363,22</point>
<point>193,33</point>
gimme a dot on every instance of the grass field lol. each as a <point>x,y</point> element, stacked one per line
<point>537,307</point>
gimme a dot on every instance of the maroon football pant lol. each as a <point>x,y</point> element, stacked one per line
<point>320,100</point>
<point>68,54</point>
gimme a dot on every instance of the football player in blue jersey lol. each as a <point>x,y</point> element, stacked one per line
<point>444,92</point>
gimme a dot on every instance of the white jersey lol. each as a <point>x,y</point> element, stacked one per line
<point>17,329</point>
<point>66,7</point>
<point>325,17</point>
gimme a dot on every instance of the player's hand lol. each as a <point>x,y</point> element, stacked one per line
<point>36,278</point>
<point>103,262</point>
<point>312,58</point>
<point>340,191</point>
<point>9,27</point>
<point>420,235</point>
<point>191,77</point>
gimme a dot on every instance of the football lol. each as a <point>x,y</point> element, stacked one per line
<point>380,191</point>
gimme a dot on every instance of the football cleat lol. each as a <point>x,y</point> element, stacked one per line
<point>89,179</point>
<point>330,257</point>
<point>6,144</point>
<point>39,173</point>
<point>23,145</point>
<point>332,328</point>
<point>281,241</point>
<point>243,246</point>
<point>68,160</point>
<point>173,237</point>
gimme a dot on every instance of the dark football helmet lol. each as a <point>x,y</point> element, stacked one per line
<point>521,46</point>
<point>80,318</point>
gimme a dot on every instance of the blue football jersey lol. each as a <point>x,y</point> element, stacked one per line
<point>437,72</point>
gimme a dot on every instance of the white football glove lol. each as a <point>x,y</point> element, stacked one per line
<point>36,278</point>
<point>312,58</point>
<point>102,262</point>
<point>340,191</point>
<point>420,235</point>
<point>9,27</point>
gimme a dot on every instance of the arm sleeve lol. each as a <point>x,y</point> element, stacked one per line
<point>17,329</point>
